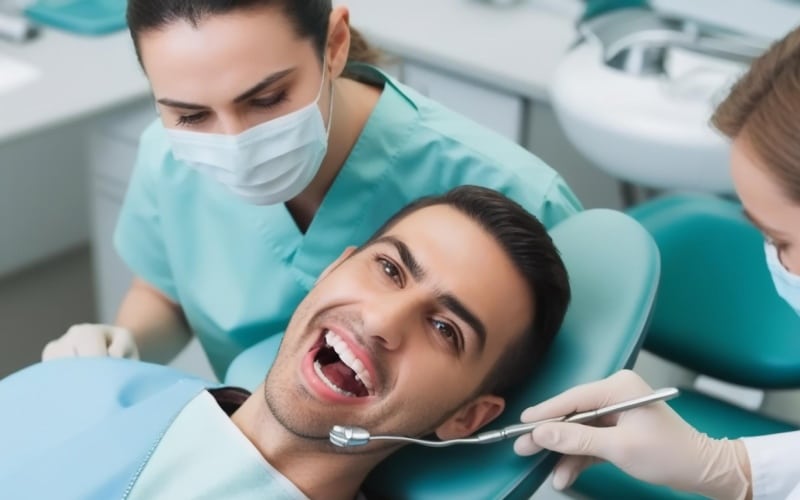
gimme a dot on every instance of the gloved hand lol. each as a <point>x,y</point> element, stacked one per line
<point>651,443</point>
<point>92,340</point>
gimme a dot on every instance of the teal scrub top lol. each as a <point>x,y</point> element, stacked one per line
<point>239,270</point>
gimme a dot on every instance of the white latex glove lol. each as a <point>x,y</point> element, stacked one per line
<point>651,443</point>
<point>92,340</point>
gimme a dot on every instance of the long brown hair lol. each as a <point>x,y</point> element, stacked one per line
<point>764,108</point>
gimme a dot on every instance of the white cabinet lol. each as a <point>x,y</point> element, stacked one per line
<point>501,112</point>
<point>114,142</point>
<point>113,145</point>
<point>42,196</point>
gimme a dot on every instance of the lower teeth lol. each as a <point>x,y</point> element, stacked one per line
<point>331,385</point>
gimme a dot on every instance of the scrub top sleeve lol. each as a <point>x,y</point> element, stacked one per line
<point>138,237</point>
<point>559,203</point>
<point>774,465</point>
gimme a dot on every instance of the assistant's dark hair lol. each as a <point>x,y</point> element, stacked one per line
<point>527,244</point>
<point>309,19</point>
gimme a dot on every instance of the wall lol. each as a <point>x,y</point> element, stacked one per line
<point>39,303</point>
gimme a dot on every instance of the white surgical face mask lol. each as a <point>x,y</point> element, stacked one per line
<point>786,283</point>
<point>267,164</point>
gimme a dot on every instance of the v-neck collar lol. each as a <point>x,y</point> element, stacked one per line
<point>352,191</point>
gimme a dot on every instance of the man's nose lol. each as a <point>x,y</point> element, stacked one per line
<point>389,318</point>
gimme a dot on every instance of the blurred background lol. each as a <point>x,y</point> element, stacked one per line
<point>615,95</point>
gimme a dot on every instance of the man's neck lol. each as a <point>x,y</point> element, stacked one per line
<point>311,466</point>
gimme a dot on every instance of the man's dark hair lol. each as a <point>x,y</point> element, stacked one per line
<point>527,244</point>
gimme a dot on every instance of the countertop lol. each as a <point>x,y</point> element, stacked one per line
<point>514,48</point>
<point>80,76</point>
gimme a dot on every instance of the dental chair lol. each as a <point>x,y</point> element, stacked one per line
<point>717,314</point>
<point>613,266</point>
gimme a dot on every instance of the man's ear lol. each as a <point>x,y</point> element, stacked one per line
<point>343,257</point>
<point>471,417</point>
<point>338,49</point>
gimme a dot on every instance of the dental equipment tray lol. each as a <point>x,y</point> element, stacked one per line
<point>87,17</point>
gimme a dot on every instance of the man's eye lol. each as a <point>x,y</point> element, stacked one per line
<point>447,331</point>
<point>391,270</point>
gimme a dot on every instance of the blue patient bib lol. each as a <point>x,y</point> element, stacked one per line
<point>84,428</point>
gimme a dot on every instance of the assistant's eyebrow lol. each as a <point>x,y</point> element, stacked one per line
<point>759,225</point>
<point>263,84</point>
<point>183,105</point>
<point>460,310</point>
<point>254,90</point>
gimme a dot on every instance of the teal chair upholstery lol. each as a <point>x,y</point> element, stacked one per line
<point>717,314</point>
<point>614,267</point>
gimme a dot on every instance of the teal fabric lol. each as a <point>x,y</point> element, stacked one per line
<point>203,455</point>
<point>82,428</point>
<point>614,269</point>
<point>717,311</point>
<point>716,418</point>
<point>595,8</point>
<point>86,17</point>
<point>239,270</point>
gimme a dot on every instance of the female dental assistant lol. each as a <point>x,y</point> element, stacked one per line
<point>275,150</point>
<point>762,116</point>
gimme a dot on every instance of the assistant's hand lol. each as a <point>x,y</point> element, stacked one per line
<point>651,443</point>
<point>92,340</point>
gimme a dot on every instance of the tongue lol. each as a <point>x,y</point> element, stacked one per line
<point>344,378</point>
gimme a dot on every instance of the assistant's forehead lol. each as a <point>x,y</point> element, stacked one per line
<point>245,42</point>
<point>759,189</point>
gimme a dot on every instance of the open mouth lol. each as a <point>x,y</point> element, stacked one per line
<point>339,368</point>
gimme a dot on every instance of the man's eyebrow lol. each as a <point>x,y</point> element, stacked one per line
<point>460,310</point>
<point>263,84</point>
<point>417,272</point>
<point>447,300</point>
<point>759,225</point>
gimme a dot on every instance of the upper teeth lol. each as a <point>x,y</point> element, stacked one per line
<point>349,359</point>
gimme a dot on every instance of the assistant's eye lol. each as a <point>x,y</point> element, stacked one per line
<point>390,269</point>
<point>193,119</point>
<point>447,331</point>
<point>270,102</point>
<point>779,245</point>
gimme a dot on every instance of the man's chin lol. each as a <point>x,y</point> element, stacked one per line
<point>311,424</point>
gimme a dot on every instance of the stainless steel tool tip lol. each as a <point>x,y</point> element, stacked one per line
<point>346,436</point>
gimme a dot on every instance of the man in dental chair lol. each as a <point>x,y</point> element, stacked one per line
<point>422,330</point>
